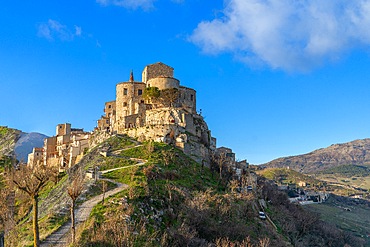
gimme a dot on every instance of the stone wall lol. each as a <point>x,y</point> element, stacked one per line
<point>128,98</point>
<point>36,157</point>
<point>156,70</point>
<point>188,99</point>
<point>63,129</point>
<point>104,123</point>
<point>163,83</point>
<point>110,108</point>
<point>177,127</point>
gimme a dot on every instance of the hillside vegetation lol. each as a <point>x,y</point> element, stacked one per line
<point>173,201</point>
<point>8,139</point>
<point>287,176</point>
<point>348,214</point>
<point>348,171</point>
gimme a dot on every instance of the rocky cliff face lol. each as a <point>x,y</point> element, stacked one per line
<point>8,140</point>
<point>178,127</point>
<point>351,153</point>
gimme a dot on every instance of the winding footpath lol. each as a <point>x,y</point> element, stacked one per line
<point>61,237</point>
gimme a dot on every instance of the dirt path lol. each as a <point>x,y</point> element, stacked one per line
<point>61,237</point>
<point>140,163</point>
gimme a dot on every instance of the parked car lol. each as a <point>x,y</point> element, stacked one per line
<point>249,188</point>
<point>262,215</point>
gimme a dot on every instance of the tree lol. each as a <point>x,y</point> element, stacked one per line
<point>169,96</point>
<point>151,94</point>
<point>74,190</point>
<point>31,180</point>
<point>104,189</point>
<point>7,222</point>
<point>220,161</point>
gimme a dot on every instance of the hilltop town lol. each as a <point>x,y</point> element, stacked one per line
<point>157,108</point>
<point>167,183</point>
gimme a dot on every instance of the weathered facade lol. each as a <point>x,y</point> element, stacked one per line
<point>108,120</point>
<point>36,157</point>
<point>170,118</point>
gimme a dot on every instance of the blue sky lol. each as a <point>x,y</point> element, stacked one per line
<point>273,77</point>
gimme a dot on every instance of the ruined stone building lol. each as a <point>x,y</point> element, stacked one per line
<point>36,157</point>
<point>158,108</point>
<point>64,149</point>
<point>226,157</point>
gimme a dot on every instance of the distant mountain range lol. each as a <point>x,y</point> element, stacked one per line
<point>26,143</point>
<point>351,153</point>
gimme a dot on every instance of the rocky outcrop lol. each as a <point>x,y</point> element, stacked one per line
<point>8,140</point>
<point>351,153</point>
<point>178,127</point>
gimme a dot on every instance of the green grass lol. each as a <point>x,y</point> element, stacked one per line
<point>120,142</point>
<point>115,162</point>
<point>348,171</point>
<point>333,211</point>
<point>287,176</point>
<point>97,189</point>
<point>4,131</point>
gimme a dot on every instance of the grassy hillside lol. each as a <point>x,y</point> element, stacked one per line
<point>8,139</point>
<point>288,176</point>
<point>348,214</point>
<point>173,201</point>
<point>54,201</point>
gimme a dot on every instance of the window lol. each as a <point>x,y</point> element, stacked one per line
<point>142,102</point>
<point>107,121</point>
<point>191,97</point>
<point>109,106</point>
<point>125,91</point>
<point>139,92</point>
<point>124,104</point>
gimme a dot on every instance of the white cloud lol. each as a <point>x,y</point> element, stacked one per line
<point>78,30</point>
<point>131,4</point>
<point>286,34</point>
<point>53,29</point>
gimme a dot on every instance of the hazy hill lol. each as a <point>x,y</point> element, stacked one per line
<point>351,153</point>
<point>26,143</point>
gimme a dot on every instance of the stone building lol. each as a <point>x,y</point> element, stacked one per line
<point>64,149</point>
<point>108,120</point>
<point>230,160</point>
<point>36,157</point>
<point>171,117</point>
